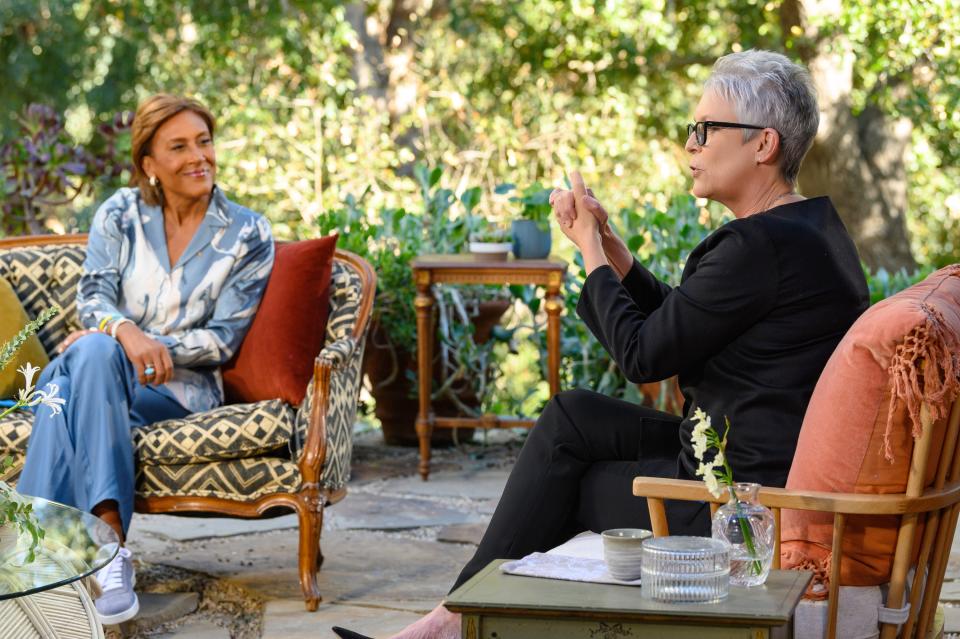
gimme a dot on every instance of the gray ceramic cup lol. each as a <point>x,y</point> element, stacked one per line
<point>622,551</point>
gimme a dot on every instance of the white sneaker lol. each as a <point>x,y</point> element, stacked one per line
<point>119,602</point>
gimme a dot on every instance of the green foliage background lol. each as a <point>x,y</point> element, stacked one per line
<point>495,92</point>
<point>498,92</point>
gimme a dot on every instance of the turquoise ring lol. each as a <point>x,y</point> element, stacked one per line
<point>149,371</point>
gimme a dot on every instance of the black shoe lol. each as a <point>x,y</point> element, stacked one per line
<point>343,633</point>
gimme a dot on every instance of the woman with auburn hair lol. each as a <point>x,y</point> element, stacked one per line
<point>762,303</point>
<point>173,275</point>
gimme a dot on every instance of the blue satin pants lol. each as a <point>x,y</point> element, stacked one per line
<point>84,455</point>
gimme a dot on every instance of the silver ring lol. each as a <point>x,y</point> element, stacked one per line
<point>149,371</point>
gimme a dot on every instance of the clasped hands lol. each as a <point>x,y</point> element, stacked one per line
<point>584,220</point>
<point>581,217</point>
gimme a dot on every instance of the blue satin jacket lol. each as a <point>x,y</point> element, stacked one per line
<point>200,308</point>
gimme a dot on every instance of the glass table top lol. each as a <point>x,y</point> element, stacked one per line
<point>75,544</point>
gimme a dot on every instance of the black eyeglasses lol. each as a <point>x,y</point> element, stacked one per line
<point>700,128</point>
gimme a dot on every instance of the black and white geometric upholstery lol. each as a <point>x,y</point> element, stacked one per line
<point>227,432</point>
<point>239,451</point>
<point>252,478</point>
<point>45,276</point>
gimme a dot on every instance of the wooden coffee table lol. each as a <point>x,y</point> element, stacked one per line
<point>495,605</point>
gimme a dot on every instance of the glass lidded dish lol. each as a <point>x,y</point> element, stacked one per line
<point>680,569</point>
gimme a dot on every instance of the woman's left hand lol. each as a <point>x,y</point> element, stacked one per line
<point>150,358</point>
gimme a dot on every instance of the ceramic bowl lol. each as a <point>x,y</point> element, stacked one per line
<point>622,551</point>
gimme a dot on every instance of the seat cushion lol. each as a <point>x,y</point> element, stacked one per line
<point>15,432</point>
<point>241,479</point>
<point>227,432</point>
<point>12,320</point>
<point>859,428</point>
<point>238,479</point>
<point>277,354</point>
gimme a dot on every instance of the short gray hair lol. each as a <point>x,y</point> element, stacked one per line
<point>769,90</point>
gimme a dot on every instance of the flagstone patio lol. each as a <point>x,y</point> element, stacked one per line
<point>392,548</point>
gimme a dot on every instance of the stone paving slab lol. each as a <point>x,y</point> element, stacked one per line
<point>286,619</point>
<point>158,608</point>
<point>463,533</point>
<point>950,592</point>
<point>469,483</point>
<point>951,621</point>
<point>190,528</point>
<point>196,629</point>
<point>359,565</point>
<point>375,512</point>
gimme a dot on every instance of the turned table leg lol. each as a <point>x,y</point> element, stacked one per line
<point>553,305</point>
<point>424,306</point>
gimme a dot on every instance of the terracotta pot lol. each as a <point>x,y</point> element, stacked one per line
<point>394,390</point>
<point>669,390</point>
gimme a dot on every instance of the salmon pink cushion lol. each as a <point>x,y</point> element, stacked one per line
<point>859,428</point>
<point>287,333</point>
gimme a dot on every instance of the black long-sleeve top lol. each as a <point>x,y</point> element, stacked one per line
<point>763,301</point>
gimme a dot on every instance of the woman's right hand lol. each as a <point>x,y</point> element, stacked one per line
<point>144,351</point>
<point>74,336</point>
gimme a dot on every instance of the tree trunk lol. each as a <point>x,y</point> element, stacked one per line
<point>383,59</point>
<point>858,160</point>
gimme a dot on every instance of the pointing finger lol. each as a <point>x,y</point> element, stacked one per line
<point>579,192</point>
<point>579,188</point>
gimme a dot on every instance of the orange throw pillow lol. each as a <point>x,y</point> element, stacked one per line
<point>860,425</point>
<point>276,356</point>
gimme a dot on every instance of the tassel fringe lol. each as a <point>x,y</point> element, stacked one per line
<point>924,370</point>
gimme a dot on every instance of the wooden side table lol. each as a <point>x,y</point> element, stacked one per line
<point>466,269</point>
<point>495,605</point>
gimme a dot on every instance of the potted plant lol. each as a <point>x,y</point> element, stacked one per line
<point>531,233</point>
<point>16,513</point>
<point>490,245</point>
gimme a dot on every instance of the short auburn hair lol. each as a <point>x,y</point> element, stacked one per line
<point>150,116</point>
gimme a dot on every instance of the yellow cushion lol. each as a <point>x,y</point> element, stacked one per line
<point>12,319</point>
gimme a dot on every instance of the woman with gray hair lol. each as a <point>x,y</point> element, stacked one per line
<point>762,303</point>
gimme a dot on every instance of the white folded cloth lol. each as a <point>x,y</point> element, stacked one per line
<point>554,566</point>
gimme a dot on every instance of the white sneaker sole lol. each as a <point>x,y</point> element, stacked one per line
<point>123,615</point>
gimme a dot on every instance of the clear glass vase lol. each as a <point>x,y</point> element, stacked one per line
<point>748,528</point>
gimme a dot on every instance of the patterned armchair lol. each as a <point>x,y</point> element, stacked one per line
<point>241,460</point>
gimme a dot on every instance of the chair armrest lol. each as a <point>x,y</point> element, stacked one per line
<point>328,414</point>
<point>338,353</point>
<point>846,503</point>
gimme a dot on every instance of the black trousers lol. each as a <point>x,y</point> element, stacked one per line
<point>575,473</point>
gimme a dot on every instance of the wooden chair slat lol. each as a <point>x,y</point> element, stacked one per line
<point>776,537</point>
<point>908,523</point>
<point>658,517</point>
<point>833,604</point>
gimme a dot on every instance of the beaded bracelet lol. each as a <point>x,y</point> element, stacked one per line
<point>103,323</point>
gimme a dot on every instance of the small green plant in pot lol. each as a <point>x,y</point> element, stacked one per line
<point>490,244</point>
<point>17,519</point>
<point>531,233</point>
